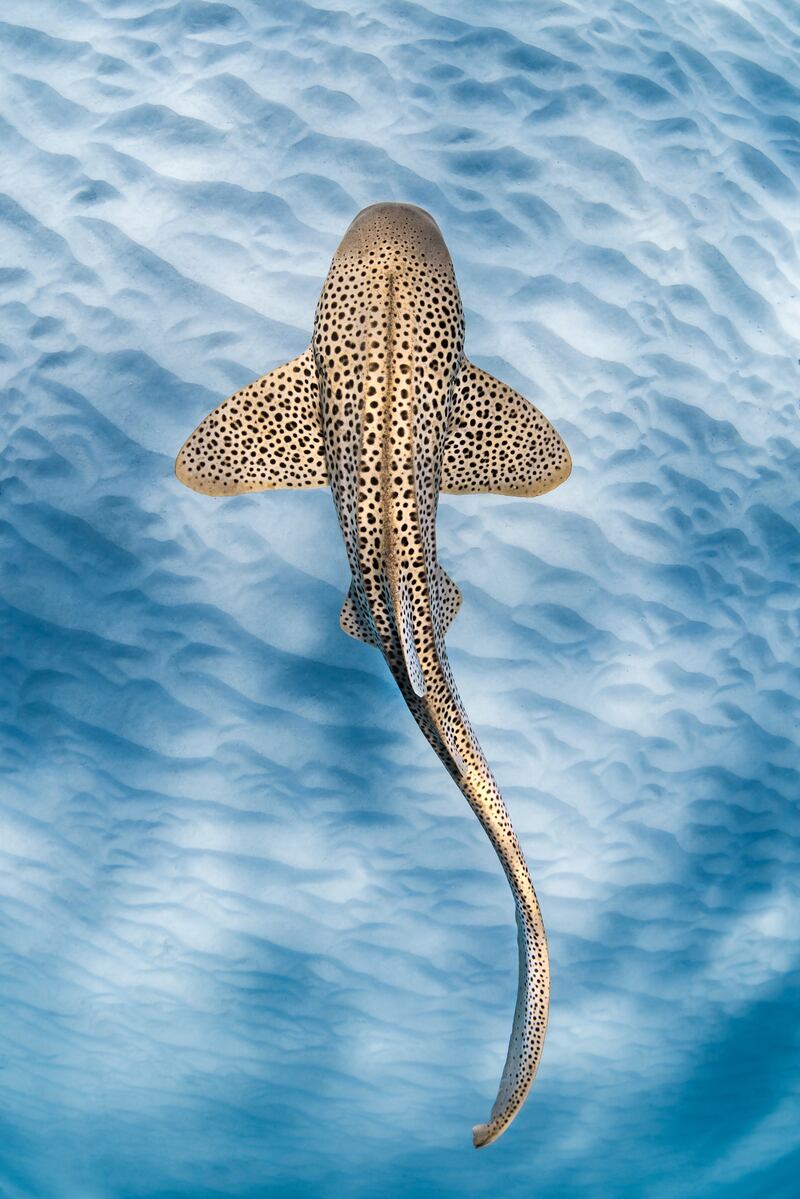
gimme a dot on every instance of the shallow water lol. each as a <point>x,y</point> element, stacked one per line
<point>253,941</point>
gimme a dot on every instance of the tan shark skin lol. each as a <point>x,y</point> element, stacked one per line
<point>386,410</point>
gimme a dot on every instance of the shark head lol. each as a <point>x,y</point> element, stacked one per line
<point>384,224</point>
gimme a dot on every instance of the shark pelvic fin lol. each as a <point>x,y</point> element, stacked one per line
<point>267,435</point>
<point>354,624</point>
<point>497,441</point>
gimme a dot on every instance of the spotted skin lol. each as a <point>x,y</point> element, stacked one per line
<point>266,435</point>
<point>386,410</point>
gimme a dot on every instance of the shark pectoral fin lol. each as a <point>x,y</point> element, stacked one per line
<point>497,441</point>
<point>450,598</point>
<point>267,435</point>
<point>353,624</point>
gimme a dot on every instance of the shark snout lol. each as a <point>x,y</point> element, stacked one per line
<point>382,222</point>
<point>389,208</point>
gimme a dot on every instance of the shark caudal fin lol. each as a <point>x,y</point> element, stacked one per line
<point>497,441</point>
<point>266,435</point>
<point>533,990</point>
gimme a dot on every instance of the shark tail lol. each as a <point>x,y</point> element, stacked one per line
<point>533,991</point>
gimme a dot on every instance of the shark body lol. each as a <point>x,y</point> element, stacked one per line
<point>386,410</point>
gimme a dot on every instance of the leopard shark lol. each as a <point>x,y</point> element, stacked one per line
<point>386,410</point>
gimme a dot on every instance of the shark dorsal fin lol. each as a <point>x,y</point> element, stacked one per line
<point>404,618</point>
<point>266,435</point>
<point>354,623</point>
<point>449,597</point>
<point>498,441</point>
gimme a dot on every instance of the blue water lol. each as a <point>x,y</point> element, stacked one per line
<point>253,942</point>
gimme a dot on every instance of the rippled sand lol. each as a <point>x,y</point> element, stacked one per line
<point>253,941</point>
